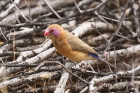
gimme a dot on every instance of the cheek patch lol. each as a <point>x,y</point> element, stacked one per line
<point>56,32</point>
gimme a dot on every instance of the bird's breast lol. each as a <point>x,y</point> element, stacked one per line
<point>75,56</point>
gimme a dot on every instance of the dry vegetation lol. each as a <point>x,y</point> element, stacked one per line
<point>29,63</point>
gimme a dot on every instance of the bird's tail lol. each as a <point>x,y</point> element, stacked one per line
<point>98,58</point>
<point>94,55</point>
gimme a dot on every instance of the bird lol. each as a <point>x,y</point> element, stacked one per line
<point>71,46</point>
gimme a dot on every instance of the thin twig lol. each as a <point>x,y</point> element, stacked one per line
<point>45,62</point>
<point>20,12</point>
<point>52,10</point>
<point>77,7</point>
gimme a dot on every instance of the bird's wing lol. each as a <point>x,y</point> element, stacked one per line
<point>78,45</point>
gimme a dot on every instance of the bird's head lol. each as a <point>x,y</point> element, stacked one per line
<point>53,31</point>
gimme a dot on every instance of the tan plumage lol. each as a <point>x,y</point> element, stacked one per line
<point>71,46</point>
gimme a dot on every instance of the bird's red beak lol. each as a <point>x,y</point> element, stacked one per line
<point>46,33</point>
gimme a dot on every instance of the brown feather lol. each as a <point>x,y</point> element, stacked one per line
<point>71,46</point>
<point>78,45</point>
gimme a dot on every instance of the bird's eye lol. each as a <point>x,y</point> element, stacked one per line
<point>51,30</point>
